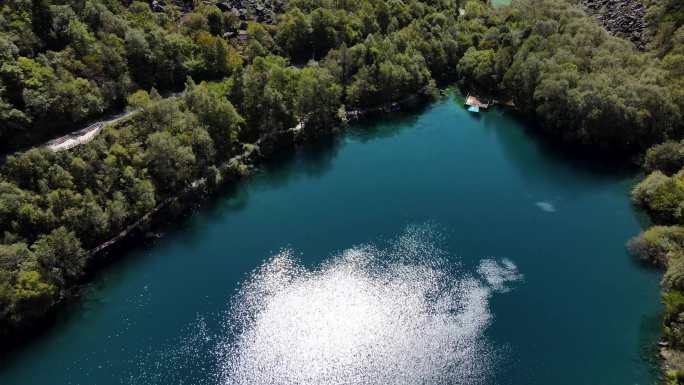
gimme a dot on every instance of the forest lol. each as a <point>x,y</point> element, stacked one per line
<point>67,62</point>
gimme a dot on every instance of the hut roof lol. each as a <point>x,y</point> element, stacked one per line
<point>473,101</point>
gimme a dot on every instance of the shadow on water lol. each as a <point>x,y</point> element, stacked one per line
<point>315,159</point>
<point>539,157</point>
<point>385,126</point>
<point>550,155</point>
<point>589,160</point>
<point>649,330</point>
<point>517,132</point>
<point>310,160</point>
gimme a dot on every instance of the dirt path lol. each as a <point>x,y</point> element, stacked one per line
<point>87,134</point>
<point>83,135</point>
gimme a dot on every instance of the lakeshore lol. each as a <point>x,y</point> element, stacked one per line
<point>67,213</point>
<point>156,314</point>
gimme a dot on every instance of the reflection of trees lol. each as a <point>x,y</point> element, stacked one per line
<point>384,126</point>
<point>568,171</point>
<point>313,160</point>
<point>539,157</point>
<point>309,160</point>
<point>649,331</point>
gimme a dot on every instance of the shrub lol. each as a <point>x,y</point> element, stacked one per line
<point>666,157</point>
<point>657,243</point>
<point>662,196</point>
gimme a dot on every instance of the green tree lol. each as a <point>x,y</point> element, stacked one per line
<point>32,297</point>
<point>478,65</point>
<point>268,91</point>
<point>170,162</point>
<point>324,35</point>
<point>667,157</point>
<point>318,99</point>
<point>60,255</point>
<point>294,35</point>
<point>217,114</point>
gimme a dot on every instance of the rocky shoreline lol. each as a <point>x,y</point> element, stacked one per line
<point>624,18</point>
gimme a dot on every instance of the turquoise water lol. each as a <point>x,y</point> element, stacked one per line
<point>445,202</point>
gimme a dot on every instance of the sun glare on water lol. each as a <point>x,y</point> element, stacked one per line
<point>402,315</point>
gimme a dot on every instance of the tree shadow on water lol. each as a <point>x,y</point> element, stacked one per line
<point>518,132</point>
<point>386,125</point>
<point>570,170</point>
<point>315,159</point>
<point>309,159</point>
<point>650,330</point>
<point>559,170</point>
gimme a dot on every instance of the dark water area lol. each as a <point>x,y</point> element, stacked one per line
<point>439,247</point>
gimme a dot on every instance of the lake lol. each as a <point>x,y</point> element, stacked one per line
<point>438,247</point>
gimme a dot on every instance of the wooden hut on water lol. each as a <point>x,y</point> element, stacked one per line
<point>475,104</point>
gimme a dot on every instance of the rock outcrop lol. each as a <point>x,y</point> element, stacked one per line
<point>625,18</point>
<point>262,11</point>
